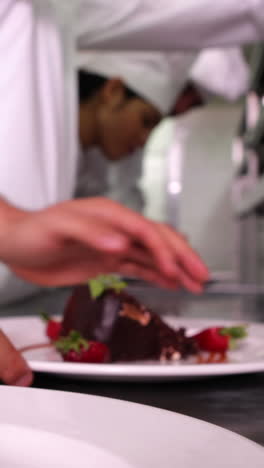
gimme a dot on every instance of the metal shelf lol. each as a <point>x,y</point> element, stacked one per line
<point>250,198</point>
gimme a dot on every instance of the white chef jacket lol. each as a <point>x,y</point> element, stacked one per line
<point>37,94</point>
<point>168,24</point>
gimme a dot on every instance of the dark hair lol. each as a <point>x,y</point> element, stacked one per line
<point>90,83</point>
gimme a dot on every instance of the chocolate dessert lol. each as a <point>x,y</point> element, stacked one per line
<point>131,331</point>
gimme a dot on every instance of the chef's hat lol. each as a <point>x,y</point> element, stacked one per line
<point>223,72</point>
<point>157,77</point>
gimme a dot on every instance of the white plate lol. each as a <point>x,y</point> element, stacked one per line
<point>247,358</point>
<point>23,447</point>
<point>139,436</point>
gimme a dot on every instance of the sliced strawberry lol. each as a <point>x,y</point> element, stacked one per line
<point>53,327</point>
<point>211,340</point>
<point>219,339</point>
<point>97,352</point>
<point>74,348</point>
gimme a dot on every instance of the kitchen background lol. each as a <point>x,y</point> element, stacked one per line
<point>203,174</point>
<point>196,150</point>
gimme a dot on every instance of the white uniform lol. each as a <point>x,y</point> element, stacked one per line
<point>119,180</point>
<point>168,24</point>
<point>38,109</point>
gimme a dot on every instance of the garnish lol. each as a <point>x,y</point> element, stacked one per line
<point>75,348</point>
<point>74,341</point>
<point>102,283</point>
<point>53,327</point>
<point>220,339</point>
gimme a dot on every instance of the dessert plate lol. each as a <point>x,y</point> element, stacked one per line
<point>71,429</point>
<point>24,447</point>
<point>247,358</point>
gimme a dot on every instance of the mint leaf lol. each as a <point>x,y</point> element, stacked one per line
<point>236,333</point>
<point>72,342</point>
<point>102,283</point>
<point>96,288</point>
<point>45,317</point>
<point>119,285</point>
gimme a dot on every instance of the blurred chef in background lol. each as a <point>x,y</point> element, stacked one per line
<point>142,89</point>
<point>135,91</point>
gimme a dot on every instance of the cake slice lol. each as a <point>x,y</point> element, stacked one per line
<point>130,330</point>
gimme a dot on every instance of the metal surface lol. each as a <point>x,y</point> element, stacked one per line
<point>231,288</point>
<point>251,196</point>
<point>213,287</point>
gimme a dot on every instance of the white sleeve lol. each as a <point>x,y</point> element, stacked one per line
<point>168,24</point>
<point>124,178</point>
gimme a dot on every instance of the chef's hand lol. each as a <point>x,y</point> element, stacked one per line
<point>70,242</point>
<point>13,368</point>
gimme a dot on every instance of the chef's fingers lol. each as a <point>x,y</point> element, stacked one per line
<point>13,367</point>
<point>149,275</point>
<point>134,227</point>
<point>136,258</point>
<point>189,261</point>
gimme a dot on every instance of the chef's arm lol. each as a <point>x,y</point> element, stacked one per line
<point>8,213</point>
<point>168,24</point>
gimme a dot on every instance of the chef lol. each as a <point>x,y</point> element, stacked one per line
<point>158,79</point>
<point>154,81</point>
<point>45,237</point>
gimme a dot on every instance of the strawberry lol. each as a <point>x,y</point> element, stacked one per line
<point>53,327</point>
<point>74,348</point>
<point>219,339</point>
